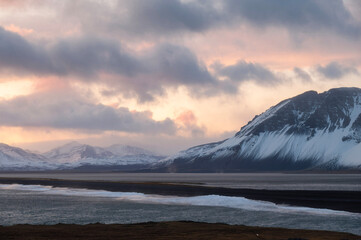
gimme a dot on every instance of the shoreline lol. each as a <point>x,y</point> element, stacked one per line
<point>349,201</point>
<point>164,230</point>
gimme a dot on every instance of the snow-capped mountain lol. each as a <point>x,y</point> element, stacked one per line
<point>126,150</point>
<point>13,158</point>
<point>309,131</point>
<point>77,156</point>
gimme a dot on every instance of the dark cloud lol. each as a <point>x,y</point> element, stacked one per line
<point>82,57</point>
<point>20,55</point>
<point>163,17</point>
<point>178,64</point>
<point>166,66</point>
<point>173,66</point>
<point>141,17</point>
<point>306,15</point>
<point>335,70</point>
<point>246,71</point>
<point>68,112</point>
<point>302,74</point>
<point>89,56</point>
<point>143,75</point>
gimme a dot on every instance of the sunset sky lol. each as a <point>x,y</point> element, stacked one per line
<point>164,74</point>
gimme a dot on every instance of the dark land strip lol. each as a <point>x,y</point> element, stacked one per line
<point>164,231</point>
<point>337,200</point>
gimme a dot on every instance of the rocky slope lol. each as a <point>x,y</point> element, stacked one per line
<point>309,131</point>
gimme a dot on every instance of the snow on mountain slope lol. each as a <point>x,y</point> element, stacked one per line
<point>74,155</point>
<point>125,150</point>
<point>308,131</point>
<point>13,158</point>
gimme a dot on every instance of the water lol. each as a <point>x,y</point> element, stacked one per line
<point>281,181</point>
<point>21,204</point>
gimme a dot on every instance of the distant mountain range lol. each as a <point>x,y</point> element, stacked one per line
<point>311,131</point>
<point>308,132</point>
<point>77,156</point>
<point>13,158</point>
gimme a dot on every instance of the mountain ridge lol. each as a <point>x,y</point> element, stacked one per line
<point>309,131</point>
<point>75,155</point>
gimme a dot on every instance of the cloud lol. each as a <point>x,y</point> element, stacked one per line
<point>88,56</point>
<point>166,66</point>
<point>82,57</point>
<point>246,71</point>
<point>187,118</point>
<point>64,111</point>
<point>172,66</point>
<point>142,75</point>
<point>354,6</point>
<point>188,123</point>
<point>11,3</point>
<point>18,54</point>
<point>19,30</point>
<point>139,17</point>
<point>306,15</point>
<point>162,17</point>
<point>178,64</point>
<point>302,74</point>
<point>335,70</point>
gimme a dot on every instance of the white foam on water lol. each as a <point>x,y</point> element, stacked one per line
<point>207,200</point>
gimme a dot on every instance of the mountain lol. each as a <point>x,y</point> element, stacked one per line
<point>13,158</point>
<point>126,150</point>
<point>77,156</point>
<point>309,131</point>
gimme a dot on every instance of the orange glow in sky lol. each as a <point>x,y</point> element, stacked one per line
<point>159,80</point>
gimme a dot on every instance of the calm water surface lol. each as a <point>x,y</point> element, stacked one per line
<point>21,204</point>
<point>46,205</point>
<point>351,182</point>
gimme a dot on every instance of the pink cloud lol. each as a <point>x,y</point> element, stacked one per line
<point>16,3</point>
<point>186,118</point>
<point>19,30</point>
<point>50,83</point>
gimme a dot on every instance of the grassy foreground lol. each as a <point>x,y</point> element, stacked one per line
<point>164,230</point>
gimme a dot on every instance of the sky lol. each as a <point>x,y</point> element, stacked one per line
<point>164,75</point>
